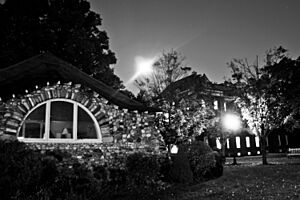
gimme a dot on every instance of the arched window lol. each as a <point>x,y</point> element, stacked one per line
<point>60,120</point>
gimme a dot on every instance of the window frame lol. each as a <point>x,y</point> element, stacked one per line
<point>47,138</point>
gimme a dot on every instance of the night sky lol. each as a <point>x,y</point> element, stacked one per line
<point>209,33</point>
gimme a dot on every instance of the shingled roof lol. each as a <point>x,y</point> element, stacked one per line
<point>47,67</point>
<point>197,83</point>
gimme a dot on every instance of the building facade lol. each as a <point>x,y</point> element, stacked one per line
<point>221,98</point>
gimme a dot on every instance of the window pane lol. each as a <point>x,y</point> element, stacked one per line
<point>257,141</point>
<point>34,125</point>
<point>238,142</point>
<point>218,143</point>
<point>61,120</point>
<point>248,142</point>
<point>86,126</point>
<point>216,105</point>
<point>227,142</point>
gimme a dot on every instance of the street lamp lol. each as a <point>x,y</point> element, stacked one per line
<point>174,149</point>
<point>231,122</point>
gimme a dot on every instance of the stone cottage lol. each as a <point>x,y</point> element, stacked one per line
<point>72,111</point>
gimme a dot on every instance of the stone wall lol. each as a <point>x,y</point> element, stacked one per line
<point>130,131</point>
<point>121,124</point>
<point>91,154</point>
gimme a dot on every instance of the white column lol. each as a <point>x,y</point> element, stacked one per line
<point>279,140</point>
<point>75,120</point>
<point>47,120</point>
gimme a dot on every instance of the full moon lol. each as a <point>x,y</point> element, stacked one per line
<point>144,66</point>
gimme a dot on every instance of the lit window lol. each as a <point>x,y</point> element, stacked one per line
<point>216,105</point>
<point>60,119</point>
<point>86,126</point>
<point>34,125</point>
<point>218,143</point>
<point>227,141</point>
<point>257,141</point>
<point>225,108</point>
<point>238,142</point>
<point>203,103</point>
<point>248,142</point>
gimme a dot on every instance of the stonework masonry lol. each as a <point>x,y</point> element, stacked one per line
<point>130,131</point>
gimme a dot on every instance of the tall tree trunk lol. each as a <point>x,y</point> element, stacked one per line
<point>264,149</point>
<point>223,148</point>
<point>263,146</point>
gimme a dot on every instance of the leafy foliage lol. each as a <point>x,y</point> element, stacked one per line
<point>180,169</point>
<point>67,28</point>
<point>284,88</point>
<point>143,176</point>
<point>29,175</point>
<point>169,68</point>
<point>24,173</point>
<point>185,120</point>
<point>254,102</point>
<point>195,162</point>
<point>202,160</point>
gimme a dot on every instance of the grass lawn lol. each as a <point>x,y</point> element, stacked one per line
<point>274,181</point>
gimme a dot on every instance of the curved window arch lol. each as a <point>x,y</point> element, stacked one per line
<point>60,120</point>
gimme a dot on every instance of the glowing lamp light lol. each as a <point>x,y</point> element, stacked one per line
<point>231,122</point>
<point>174,149</point>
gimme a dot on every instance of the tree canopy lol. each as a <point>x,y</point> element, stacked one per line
<point>168,68</point>
<point>284,74</point>
<point>66,28</point>
<point>268,92</point>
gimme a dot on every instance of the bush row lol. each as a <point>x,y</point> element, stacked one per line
<point>195,162</point>
<point>26,174</point>
<point>29,175</point>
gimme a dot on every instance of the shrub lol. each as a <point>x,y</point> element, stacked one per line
<point>143,176</point>
<point>74,181</point>
<point>24,173</point>
<point>29,175</point>
<point>180,170</point>
<point>202,161</point>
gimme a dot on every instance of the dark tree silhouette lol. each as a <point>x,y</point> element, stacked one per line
<point>66,28</point>
<point>284,87</point>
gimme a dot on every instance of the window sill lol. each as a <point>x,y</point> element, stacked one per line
<point>31,140</point>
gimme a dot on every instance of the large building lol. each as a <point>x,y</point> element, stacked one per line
<point>221,97</point>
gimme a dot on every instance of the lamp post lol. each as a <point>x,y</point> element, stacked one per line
<point>231,123</point>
